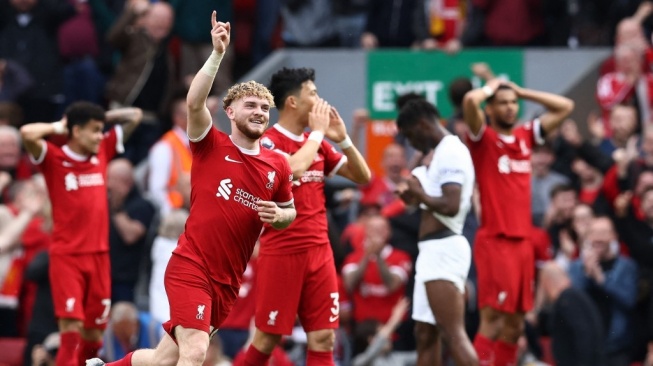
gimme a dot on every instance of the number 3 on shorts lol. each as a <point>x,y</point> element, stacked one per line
<point>335,310</point>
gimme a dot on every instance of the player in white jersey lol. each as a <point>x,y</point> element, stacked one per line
<point>443,189</point>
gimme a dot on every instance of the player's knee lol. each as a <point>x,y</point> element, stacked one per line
<point>265,342</point>
<point>93,335</point>
<point>193,354</point>
<point>425,335</point>
<point>70,325</point>
<point>322,340</point>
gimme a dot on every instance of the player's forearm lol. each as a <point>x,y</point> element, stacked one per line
<point>442,205</point>
<point>301,160</point>
<point>201,85</point>
<point>354,278</point>
<point>560,107</point>
<point>129,118</point>
<point>286,217</point>
<point>358,170</point>
<point>33,132</point>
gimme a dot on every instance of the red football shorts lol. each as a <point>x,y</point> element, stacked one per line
<point>196,301</point>
<point>81,287</point>
<point>505,272</point>
<point>303,284</point>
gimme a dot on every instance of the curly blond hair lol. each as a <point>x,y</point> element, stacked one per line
<point>247,89</point>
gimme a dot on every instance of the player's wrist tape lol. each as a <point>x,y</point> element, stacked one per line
<point>316,136</point>
<point>487,90</point>
<point>211,65</point>
<point>59,128</point>
<point>346,143</point>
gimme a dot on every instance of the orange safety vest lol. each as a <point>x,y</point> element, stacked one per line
<point>181,163</point>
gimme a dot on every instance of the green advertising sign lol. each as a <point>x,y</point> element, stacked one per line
<point>393,73</point>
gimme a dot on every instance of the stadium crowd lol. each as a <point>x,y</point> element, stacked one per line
<point>591,194</point>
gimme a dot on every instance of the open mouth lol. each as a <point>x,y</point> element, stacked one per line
<point>257,121</point>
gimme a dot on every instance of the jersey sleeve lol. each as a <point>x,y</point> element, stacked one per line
<point>45,148</point>
<point>402,267</point>
<point>333,159</point>
<point>112,144</point>
<point>283,196</point>
<point>448,169</point>
<point>475,138</point>
<point>534,132</point>
<point>203,145</point>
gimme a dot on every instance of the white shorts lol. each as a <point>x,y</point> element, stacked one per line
<point>445,259</point>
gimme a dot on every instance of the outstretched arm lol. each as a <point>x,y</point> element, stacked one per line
<point>199,117</point>
<point>355,169</point>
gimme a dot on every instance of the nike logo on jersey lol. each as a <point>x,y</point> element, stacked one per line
<point>333,318</point>
<point>227,158</point>
<point>67,164</point>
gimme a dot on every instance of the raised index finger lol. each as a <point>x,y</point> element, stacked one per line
<point>213,19</point>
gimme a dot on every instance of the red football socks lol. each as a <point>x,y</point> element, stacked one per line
<point>484,349</point>
<point>126,361</point>
<point>505,354</point>
<point>315,358</point>
<point>67,354</point>
<point>254,357</point>
<point>87,350</point>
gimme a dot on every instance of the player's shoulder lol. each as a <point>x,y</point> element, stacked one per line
<point>273,157</point>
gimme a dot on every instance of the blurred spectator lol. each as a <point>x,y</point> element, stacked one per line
<point>190,16</point>
<point>129,330</point>
<point>574,324</point>
<point>78,48</point>
<point>628,85</point>
<point>571,238</point>
<point>630,31</point>
<point>439,24</point>
<point>559,212</point>
<point>590,186</point>
<point>14,81</point>
<point>46,353</point>
<point>376,276</point>
<point>11,159</point>
<point>374,340</point>
<point>43,321</point>
<point>610,280</point>
<point>350,20</point>
<point>637,234</point>
<point>172,226</point>
<point>214,354</point>
<point>512,22</point>
<point>10,114</point>
<point>28,30</point>
<point>130,217</point>
<point>234,331</point>
<point>457,90</point>
<point>389,24</point>
<point>381,189</point>
<point>12,261</point>
<point>623,124</point>
<point>267,18</point>
<point>309,23</point>
<point>144,77</point>
<point>543,181</point>
<point>169,162</point>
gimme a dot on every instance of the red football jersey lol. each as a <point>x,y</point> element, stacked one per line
<point>77,190</point>
<point>503,172</point>
<point>371,299</point>
<point>226,183</point>
<point>245,304</point>
<point>310,226</point>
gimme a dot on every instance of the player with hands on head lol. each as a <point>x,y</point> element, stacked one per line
<point>503,253</point>
<point>234,183</point>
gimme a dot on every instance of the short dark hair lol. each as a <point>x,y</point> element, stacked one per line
<point>560,188</point>
<point>81,113</point>
<point>288,81</point>
<point>405,98</point>
<point>457,90</point>
<point>414,110</point>
<point>501,87</point>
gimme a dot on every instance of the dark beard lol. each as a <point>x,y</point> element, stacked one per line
<point>504,125</point>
